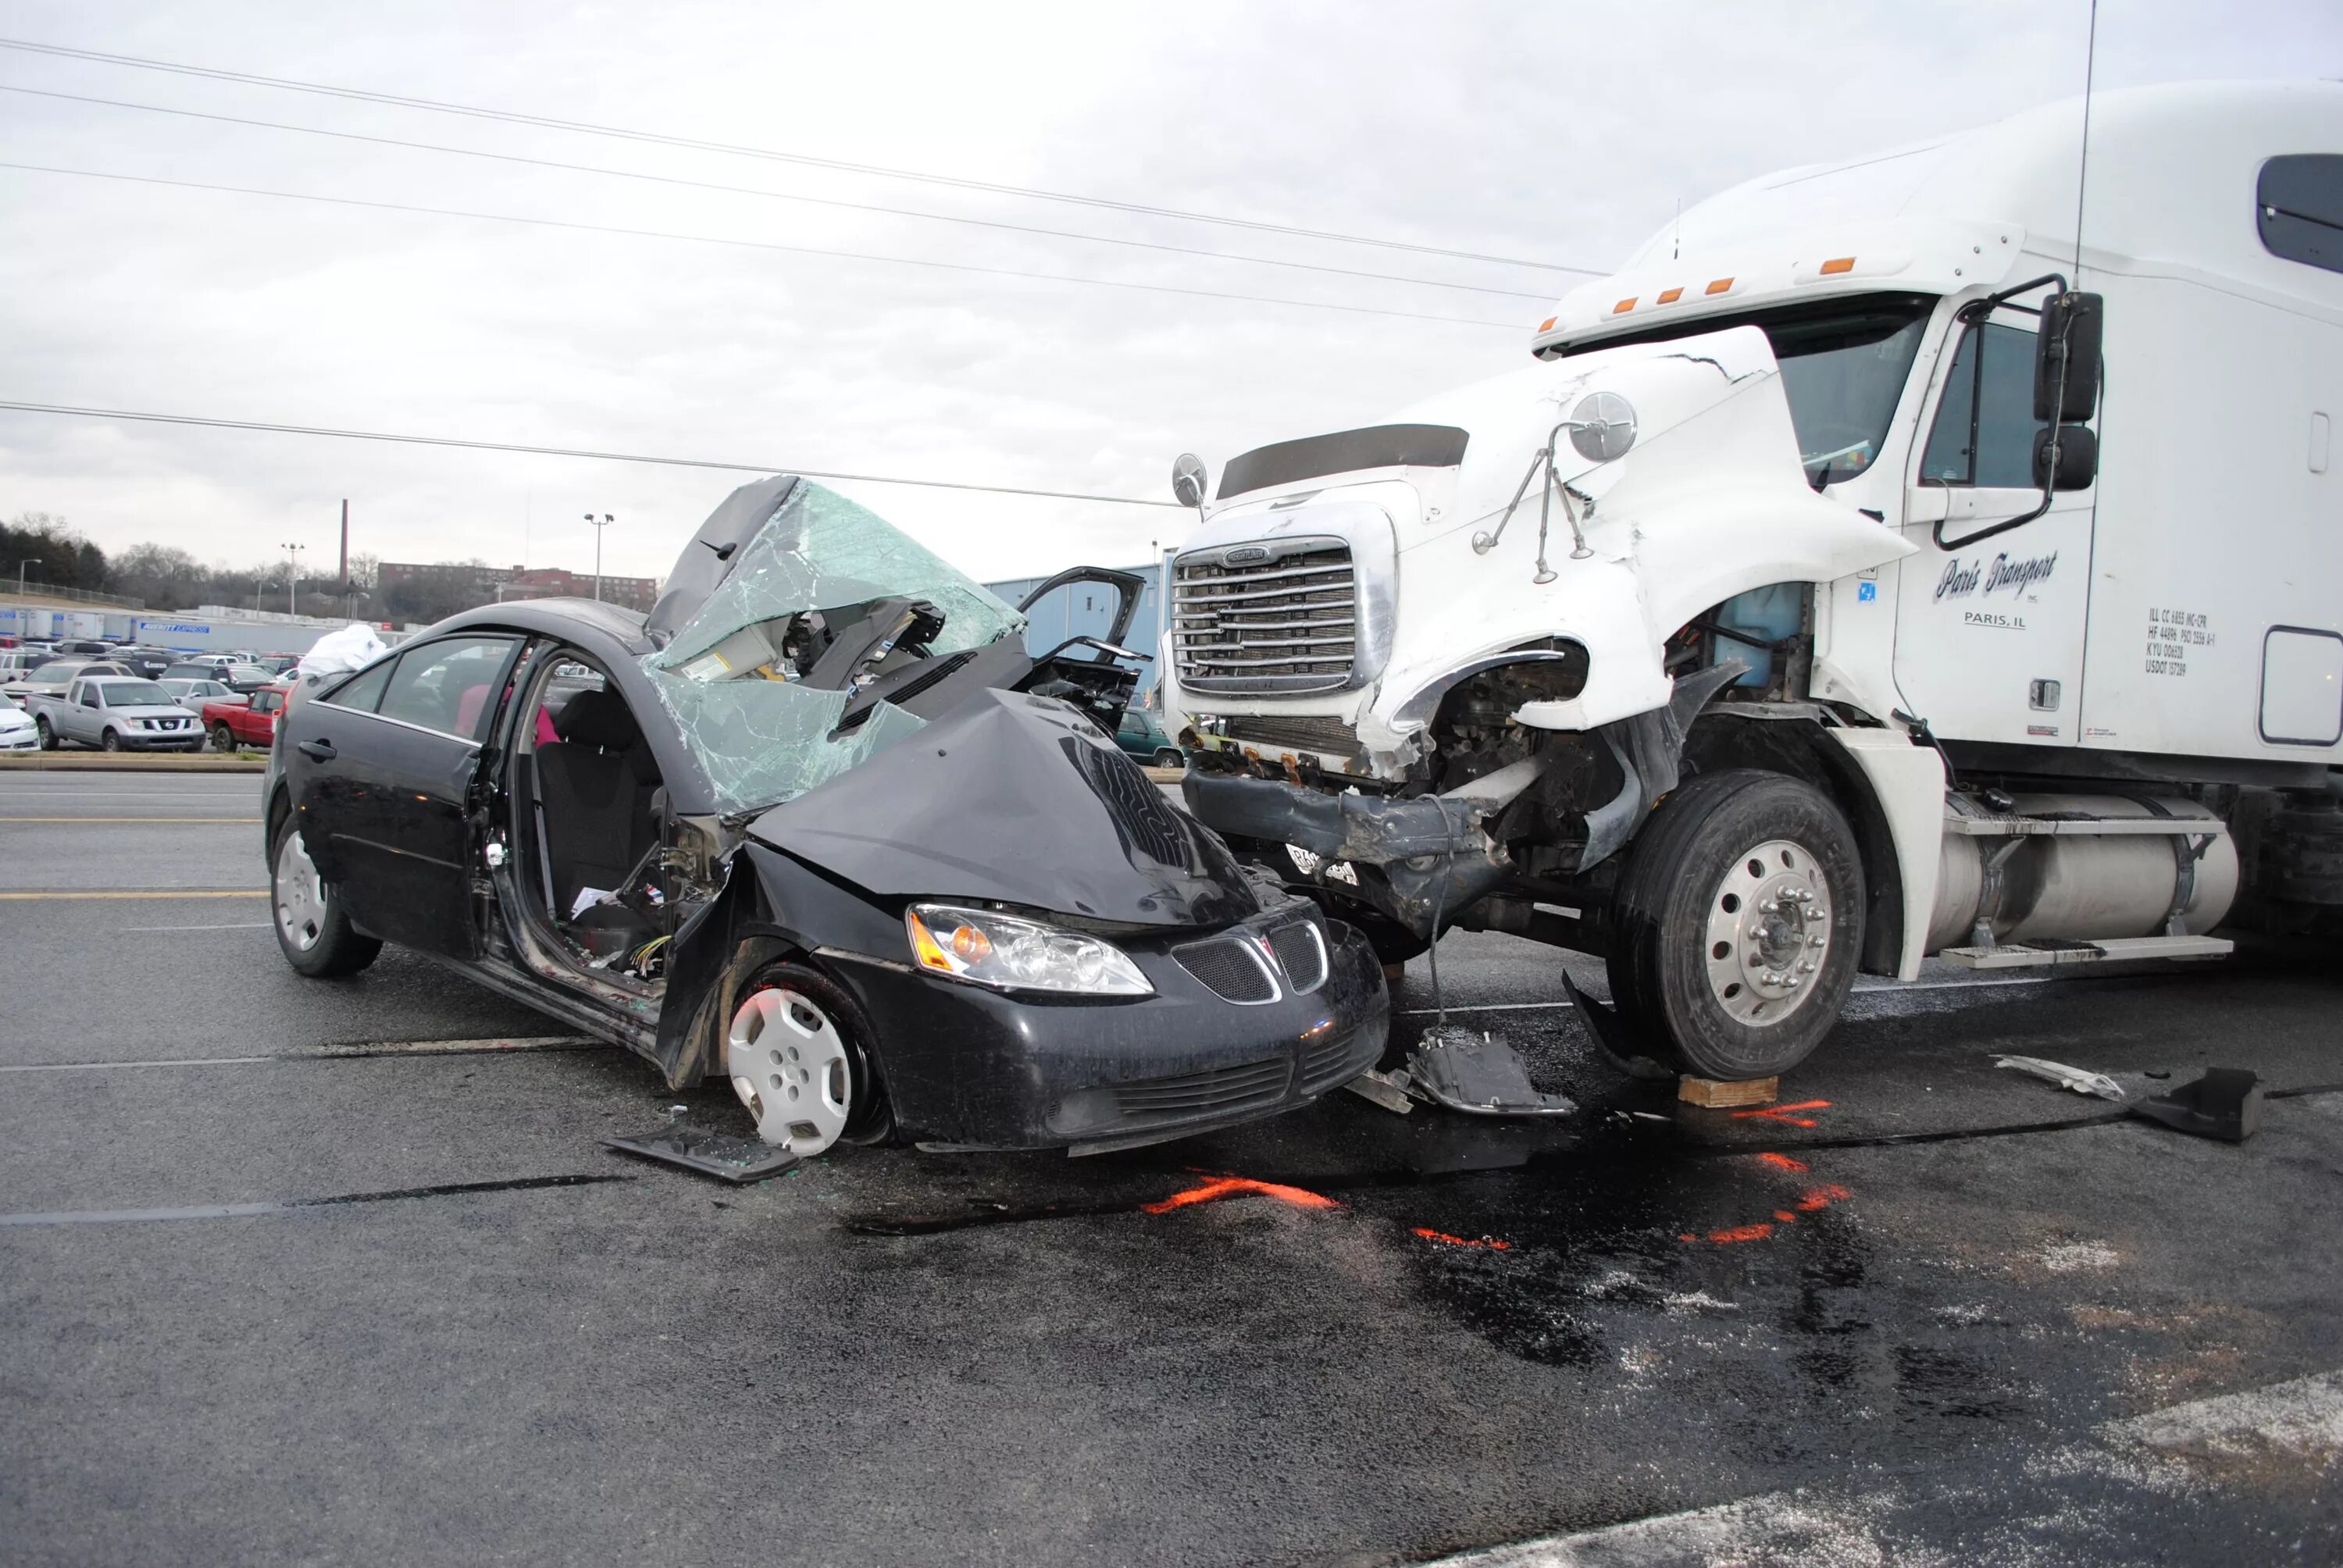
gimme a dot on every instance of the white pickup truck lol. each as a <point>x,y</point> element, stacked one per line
<point>116,713</point>
<point>1868,570</point>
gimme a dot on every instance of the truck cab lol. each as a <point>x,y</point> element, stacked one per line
<point>1865,571</point>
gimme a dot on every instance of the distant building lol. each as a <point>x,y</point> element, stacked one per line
<point>442,588</point>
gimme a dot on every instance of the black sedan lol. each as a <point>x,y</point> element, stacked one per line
<point>821,825</point>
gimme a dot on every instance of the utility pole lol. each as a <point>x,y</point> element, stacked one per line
<point>20,576</point>
<point>293,578</point>
<point>598,525</point>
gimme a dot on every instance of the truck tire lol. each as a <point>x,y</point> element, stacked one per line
<point>306,912</point>
<point>110,742</point>
<point>49,735</point>
<point>1738,922</point>
<point>223,738</point>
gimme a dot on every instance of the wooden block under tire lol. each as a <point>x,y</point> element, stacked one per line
<point>1717,1095</point>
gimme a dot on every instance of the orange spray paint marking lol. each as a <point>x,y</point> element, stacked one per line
<point>1783,1163</point>
<point>1239,1186</point>
<point>1444,1237</point>
<point>1742,1233</point>
<point>1781,1112</point>
<point>1817,1199</point>
<point>1785,1216</point>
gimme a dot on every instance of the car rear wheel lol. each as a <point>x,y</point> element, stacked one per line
<point>223,738</point>
<point>49,735</point>
<point>1738,920</point>
<point>797,1051</point>
<point>315,934</point>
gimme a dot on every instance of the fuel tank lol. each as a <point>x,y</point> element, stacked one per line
<point>2081,887</point>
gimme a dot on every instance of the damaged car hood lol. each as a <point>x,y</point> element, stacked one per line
<point>1017,799</point>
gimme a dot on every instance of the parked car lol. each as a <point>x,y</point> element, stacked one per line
<point>812,827</point>
<point>147,662</point>
<point>116,713</point>
<point>234,720</point>
<point>245,677</point>
<point>17,731</point>
<point>1142,737</point>
<point>88,645</point>
<point>194,691</point>
<point>17,661</point>
<point>51,678</point>
<point>198,667</point>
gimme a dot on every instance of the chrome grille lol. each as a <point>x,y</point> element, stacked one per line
<point>1281,617</point>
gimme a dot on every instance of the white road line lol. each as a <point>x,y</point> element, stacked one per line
<point>234,926</point>
<point>2300,1421</point>
<point>336,1053</point>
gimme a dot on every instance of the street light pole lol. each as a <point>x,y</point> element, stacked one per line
<point>598,525</point>
<point>293,577</point>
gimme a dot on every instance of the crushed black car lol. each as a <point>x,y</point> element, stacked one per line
<point>820,824</point>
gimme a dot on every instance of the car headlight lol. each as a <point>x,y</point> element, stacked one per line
<point>1008,954</point>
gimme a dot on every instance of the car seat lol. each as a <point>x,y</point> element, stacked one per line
<point>595,785</point>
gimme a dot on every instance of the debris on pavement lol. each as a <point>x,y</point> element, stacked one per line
<point>2225,1103</point>
<point>726,1156</point>
<point>1479,1075</point>
<point>2064,1076</point>
<point>1388,1090</point>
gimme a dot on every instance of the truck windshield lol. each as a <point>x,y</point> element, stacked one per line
<point>1844,365</point>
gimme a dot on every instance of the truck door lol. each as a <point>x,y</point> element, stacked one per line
<point>382,773</point>
<point>1989,629</point>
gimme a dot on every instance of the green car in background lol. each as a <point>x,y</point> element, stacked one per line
<point>1141,737</point>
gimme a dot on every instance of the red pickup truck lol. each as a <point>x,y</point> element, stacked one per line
<point>236,722</point>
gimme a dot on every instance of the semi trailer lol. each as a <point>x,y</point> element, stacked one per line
<point>1937,553</point>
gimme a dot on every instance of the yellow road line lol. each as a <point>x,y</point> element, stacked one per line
<point>129,819</point>
<point>151,893</point>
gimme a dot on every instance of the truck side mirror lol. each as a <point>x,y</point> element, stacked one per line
<point>1189,479</point>
<point>2067,357</point>
<point>2077,459</point>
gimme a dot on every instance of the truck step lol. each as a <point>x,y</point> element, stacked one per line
<point>2100,827</point>
<point>2035,954</point>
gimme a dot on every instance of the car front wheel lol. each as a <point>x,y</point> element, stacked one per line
<point>311,927</point>
<point>111,740</point>
<point>797,1051</point>
<point>1168,758</point>
<point>1738,920</point>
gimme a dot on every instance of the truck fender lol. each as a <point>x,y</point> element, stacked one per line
<point>1908,783</point>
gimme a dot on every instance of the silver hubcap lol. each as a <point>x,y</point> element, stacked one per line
<point>1769,932</point>
<point>787,1063</point>
<point>300,895</point>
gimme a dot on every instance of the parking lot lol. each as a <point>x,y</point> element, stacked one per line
<point>294,1269</point>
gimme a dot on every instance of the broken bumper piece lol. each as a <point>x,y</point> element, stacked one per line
<point>1028,1070</point>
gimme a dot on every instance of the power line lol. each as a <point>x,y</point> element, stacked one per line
<point>694,144</point>
<point>772,195</point>
<point>753,245</point>
<point>138,416</point>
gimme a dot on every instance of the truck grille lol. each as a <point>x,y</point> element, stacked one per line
<point>1278,618</point>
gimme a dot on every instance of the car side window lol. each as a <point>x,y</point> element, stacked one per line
<point>449,685</point>
<point>89,697</point>
<point>365,692</point>
<point>1984,434</point>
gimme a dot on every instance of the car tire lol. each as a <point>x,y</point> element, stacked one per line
<point>1737,924</point>
<point>1170,756</point>
<point>223,738</point>
<point>49,735</point>
<point>306,912</point>
<point>110,742</point>
<point>795,1031</point>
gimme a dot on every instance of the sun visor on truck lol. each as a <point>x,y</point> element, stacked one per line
<point>1344,452</point>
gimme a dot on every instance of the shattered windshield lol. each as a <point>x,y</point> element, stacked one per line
<point>825,599</point>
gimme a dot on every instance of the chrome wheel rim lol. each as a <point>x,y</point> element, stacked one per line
<point>300,895</point>
<point>1768,933</point>
<point>789,1065</point>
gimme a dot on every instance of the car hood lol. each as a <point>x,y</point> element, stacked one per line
<point>1019,800</point>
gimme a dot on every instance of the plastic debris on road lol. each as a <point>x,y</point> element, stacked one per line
<point>2064,1076</point>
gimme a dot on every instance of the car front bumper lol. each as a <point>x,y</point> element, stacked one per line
<point>970,1066</point>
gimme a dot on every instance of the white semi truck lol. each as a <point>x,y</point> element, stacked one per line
<point>1865,571</point>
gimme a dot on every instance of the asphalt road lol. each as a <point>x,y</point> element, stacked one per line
<point>338,1271</point>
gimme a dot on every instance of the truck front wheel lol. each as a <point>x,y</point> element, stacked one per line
<point>1738,920</point>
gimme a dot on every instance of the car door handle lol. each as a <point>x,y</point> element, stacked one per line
<point>323,750</point>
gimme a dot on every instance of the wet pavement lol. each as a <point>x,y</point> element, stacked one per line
<point>292,1269</point>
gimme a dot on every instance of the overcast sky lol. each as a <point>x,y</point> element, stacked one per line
<point>1547,133</point>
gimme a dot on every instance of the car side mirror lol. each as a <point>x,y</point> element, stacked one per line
<point>2066,357</point>
<point>1190,481</point>
<point>2077,459</point>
